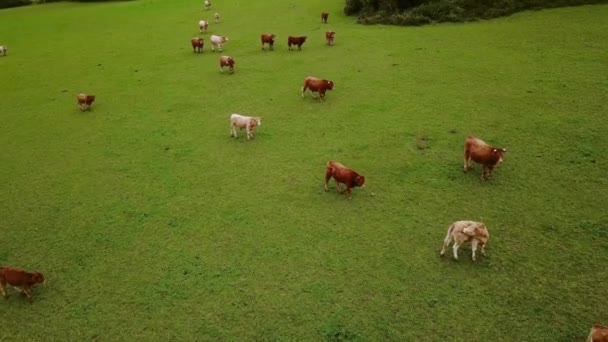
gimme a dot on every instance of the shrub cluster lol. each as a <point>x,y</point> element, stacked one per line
<point>420,12</point>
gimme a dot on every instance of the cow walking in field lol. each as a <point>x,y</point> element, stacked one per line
<point>324,16</point>
<point>242,121</point>
<point>217,41</point>
<point>317,85</point>
<point>216,16</point>
<point>3,50</point>
<point>203,25</point>
<point>268,39</point>
<point>489,157</point>
<point>298,41</point>
<point>466,231</point>
<point>85,101</point>
<point>20,279</point>
<point>344,175</point>
<point>197,44</point>
<point>208,5</point>
<point>329,37</point>
<point>227,61</point>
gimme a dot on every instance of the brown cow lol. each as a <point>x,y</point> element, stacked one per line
<point>291,40</point>
<point>268,39</point>
<point>197,44</point>
<point>342,174</point>
<point>324,16</point>
<point>599,333</point>
<point>329,36</point>
<point>227,61</point>
<point>465,231</point>
<point>317,85</point>
<point>85,101</point>
<point>477,150</point>
<point>20,279</point>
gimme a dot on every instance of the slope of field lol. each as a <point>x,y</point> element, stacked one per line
<point>150,222</point>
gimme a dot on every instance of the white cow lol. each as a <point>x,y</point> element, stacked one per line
<point>207,4</point>
<point>3,50</point>
<point>242,121</point>
<point>217,17</point>
<point>217,41</point>
<point>464,231</point>
<point>203,25</point>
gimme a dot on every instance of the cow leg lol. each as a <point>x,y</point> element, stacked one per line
<point>455,249</point>
<point>467,160</point>
<point>483,171</point>
<point>483,249</point>
<point>304,89</point>
<point>248,130</point>
<point>338,189</point>
<point>328,175</point>
<point>3,289</point>
<point>473,248</point>
<point>446,243</point>
<point>348,194</point>
<point>28,293</point>
<point>221,69</point>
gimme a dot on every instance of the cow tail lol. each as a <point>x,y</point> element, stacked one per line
<point>448,236</point>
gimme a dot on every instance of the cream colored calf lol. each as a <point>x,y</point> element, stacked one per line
<point>242,121</point>
<point>466,231</point>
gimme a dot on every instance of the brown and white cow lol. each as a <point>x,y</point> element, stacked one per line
<point>216,16</point>
<point>299,40</point>
<point>203,25</point>
<point>19,279</point>
<point>3,50</point>
<point>466,231</point>
<point>217,41</point>
<point>268,39</point>
<point>197,44</point>
<point>329,37</point>
<point>599,333</point>
<point>227,61</point>
<point>324,16</point>
<point>317,85</point>
<point>207,4</point>
<point>344,175</point>
<point>477,150</point>
<point>242,121</point>
<point>85,101</point>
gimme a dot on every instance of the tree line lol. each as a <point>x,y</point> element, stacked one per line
<point>420,12</point>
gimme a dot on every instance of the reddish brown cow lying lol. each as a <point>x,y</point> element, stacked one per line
<point>342,174</point>
<point>329,36</point>
<point>19,279</point>
<point>85,101</point>
<point>477,150</point>
<point>465,231</point>
<point>324,16</point>
<point>291,40</point>
<point>599,333</point>
<point>268,39</point>
<point>317,85</point>
<point>197,44</point>
<point>227,61</point>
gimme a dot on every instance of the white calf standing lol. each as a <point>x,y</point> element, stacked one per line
<point>464,231</point>
<point>217,41</point>
<point>3,50</point>
<point>207,4</point>
<point>217,17</point>
<point>203,25</point>
<point>242,121</point>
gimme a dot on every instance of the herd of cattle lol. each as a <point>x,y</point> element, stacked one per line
<point>460,232</point>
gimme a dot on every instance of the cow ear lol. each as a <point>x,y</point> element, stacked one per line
<point>504,150</point>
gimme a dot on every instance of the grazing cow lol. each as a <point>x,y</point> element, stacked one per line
<point>197,44</point>
<point>227,61</point>
<point>329,36</point>
<point>465,231</point>
<point>203,25</point>
<point>217,41</point>
<point>208,4</point>
<point>477,150</point>
<point>3,50</point>
<point>317,85</point>
<point>342,174</point>
<point>216,16</point>
<point>268,39</point>
<point>19,279</point>
<point>242,121</point>
<point>291,40</point>
<point>599,333</point>
<point>85,101</point>
<point>324,16</point>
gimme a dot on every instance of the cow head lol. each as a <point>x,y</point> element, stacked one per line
<point>498,154</point>
<point>360,181</point>
<point>224,39</point>
<point>90,99</point>
<point>258,121</point>
<point>38,278</point>
<point>330,84</point>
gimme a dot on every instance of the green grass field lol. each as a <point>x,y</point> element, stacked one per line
<point>151,223</point>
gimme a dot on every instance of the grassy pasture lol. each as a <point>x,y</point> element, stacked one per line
<point>150,223</point>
